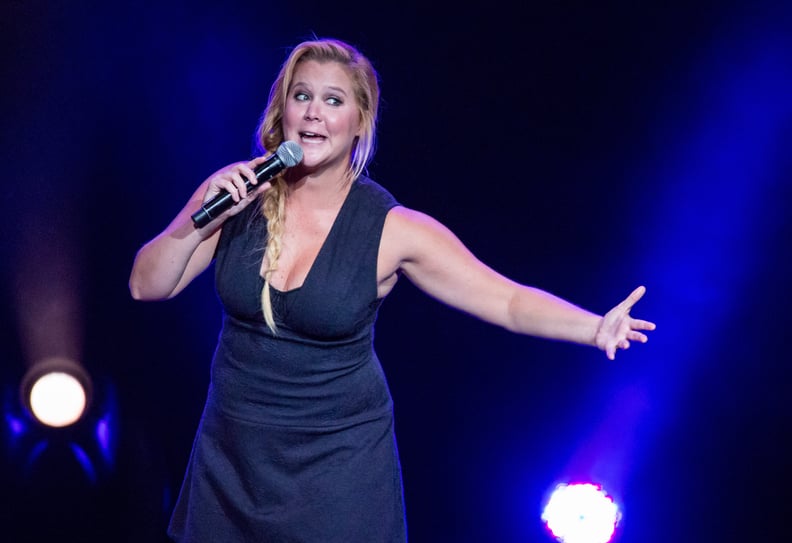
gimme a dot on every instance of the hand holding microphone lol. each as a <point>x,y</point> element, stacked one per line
<point>288,154</point>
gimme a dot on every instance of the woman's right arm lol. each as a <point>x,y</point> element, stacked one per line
<point>170,261</point>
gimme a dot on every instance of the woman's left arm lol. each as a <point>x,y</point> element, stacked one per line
<point>437,262</point>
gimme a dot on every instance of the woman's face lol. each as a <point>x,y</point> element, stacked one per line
<point>321,114</point>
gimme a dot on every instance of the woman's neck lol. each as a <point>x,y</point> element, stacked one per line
<point>319,191</point>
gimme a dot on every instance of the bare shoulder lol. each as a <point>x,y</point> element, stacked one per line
<point>410,232</point>
<point>401,216</point>
<point>415,242</point>
<point>406,240</point>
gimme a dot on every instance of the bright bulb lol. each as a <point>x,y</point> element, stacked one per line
<point>581,513</point>
<point>57,399</point>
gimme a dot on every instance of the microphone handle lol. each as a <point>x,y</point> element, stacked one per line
<point>223,201</point>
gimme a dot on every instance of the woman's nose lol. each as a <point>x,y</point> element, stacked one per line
<point>312,112</point>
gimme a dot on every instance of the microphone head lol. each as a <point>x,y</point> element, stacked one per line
<point>290,153</point>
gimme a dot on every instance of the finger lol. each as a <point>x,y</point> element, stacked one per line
<point>622,344</point>
<point>240,182</point>
<point>634,296</point>
<point>258,161</point>
<point>637,336</point>
<point>249,169</point>
<point>247,172</point>
<point>227,184</point>
<point>610,351</point>
<point>638,324</point>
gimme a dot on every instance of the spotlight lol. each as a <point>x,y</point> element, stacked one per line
<point>56,391</point>
<point>581,513</point>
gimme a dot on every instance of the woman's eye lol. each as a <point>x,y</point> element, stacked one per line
<point>334,101</point>
<point>301,97</point>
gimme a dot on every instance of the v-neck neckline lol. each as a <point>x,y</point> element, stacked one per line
<point>319,253</point>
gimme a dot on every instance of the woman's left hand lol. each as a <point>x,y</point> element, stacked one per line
<point>617,328</point>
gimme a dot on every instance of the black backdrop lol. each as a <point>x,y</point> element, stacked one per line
<point>580,147</point>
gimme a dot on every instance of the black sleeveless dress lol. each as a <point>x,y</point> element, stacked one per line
<point>296,441</point>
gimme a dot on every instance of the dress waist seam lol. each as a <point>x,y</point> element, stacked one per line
<point>385,412</point>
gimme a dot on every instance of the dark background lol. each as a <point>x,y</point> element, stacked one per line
<point>581,147</point>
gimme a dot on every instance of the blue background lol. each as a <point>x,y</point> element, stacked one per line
<point>584,148</point>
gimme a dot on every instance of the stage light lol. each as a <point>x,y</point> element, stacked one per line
<point>56,391</point>
<point>581,513</point>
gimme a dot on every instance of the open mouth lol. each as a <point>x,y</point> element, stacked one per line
<point>312,137</point>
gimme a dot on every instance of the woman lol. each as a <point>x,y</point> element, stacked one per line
<point>296,441</point>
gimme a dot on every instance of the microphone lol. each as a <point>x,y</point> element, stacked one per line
<point>288,154</point>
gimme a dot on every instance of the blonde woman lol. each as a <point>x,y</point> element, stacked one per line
<point>296,441</point>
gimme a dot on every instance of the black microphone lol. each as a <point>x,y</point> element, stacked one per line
<point>288,154</point>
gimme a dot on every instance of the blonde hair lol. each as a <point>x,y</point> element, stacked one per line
<point>270,135</point>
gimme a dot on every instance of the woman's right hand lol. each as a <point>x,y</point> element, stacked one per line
<point>231,179</point>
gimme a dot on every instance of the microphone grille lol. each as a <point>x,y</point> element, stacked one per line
<point>290,153</point>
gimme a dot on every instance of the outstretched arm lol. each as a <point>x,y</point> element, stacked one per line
<point>434,259</point>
